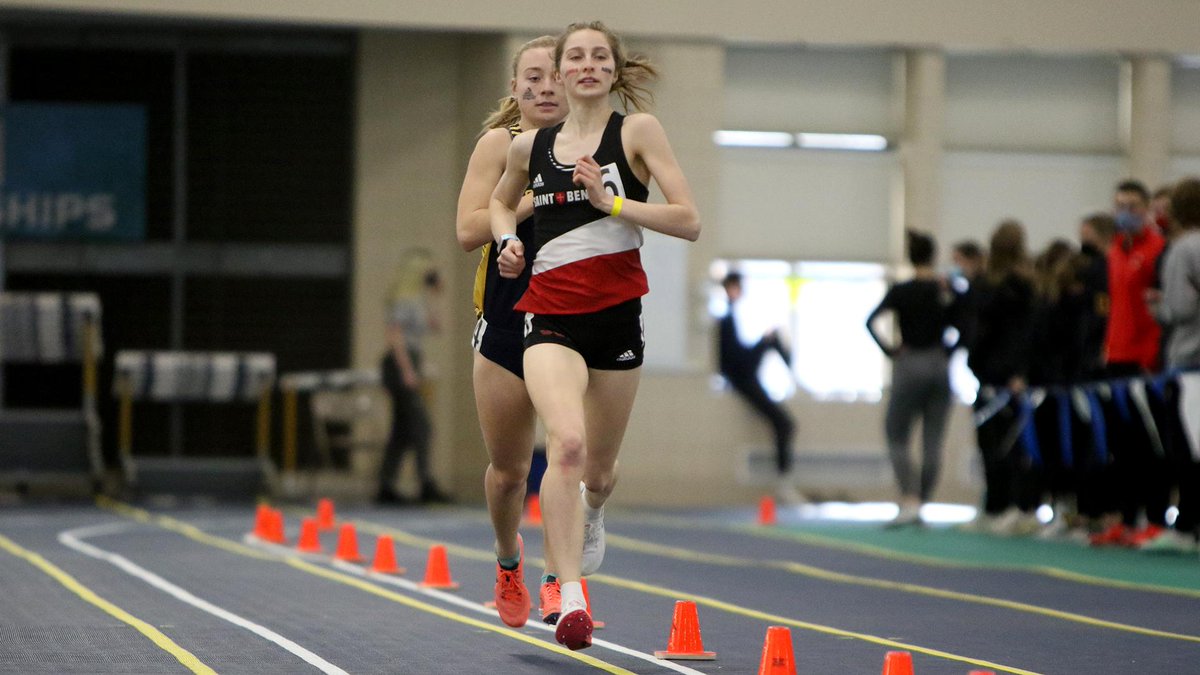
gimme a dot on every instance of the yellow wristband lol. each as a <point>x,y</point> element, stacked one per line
<point>616,209</point>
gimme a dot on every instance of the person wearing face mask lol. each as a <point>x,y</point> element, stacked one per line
<point>1131,342</point>
<point>1131,349</point>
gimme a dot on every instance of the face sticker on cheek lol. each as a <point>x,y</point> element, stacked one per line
<point>527,95</point>
<point>606,69</point>
<point>570,71</point>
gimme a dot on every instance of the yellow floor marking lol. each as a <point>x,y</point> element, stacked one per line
<point>917,589</point>
<point>163,642</point>
<point>476,554</point>
<point>195,534</point>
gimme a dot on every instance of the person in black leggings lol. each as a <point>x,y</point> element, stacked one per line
<point>924,308</point>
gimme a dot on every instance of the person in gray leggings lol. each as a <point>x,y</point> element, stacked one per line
<point>924,307</point>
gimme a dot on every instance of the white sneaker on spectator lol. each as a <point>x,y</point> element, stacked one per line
<point>1078,535</point>
<point>1008,522</point>
<point>1055,529</point>
<point>909,513</point>
<point>1170,541</point>
<point>1027,524</point>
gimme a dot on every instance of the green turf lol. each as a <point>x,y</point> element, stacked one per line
<point>951,546</point>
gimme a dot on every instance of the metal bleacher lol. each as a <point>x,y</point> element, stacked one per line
<point>186,377</point>
<point>51,444</point>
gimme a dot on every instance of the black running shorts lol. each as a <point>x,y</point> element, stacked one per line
<point>503,347</point>
<point>610,339</point>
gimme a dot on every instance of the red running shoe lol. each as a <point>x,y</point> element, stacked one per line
<point>1116,535</point>
<point>512,598</point>
<point>550,599</point>
<point>574,630</point>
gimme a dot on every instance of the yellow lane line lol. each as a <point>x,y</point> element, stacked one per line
<point>649,548</point>
<point>776,619</point>
<point>195,534</point>
<point>836,544</point>
<point>409,539</point>
<point>163,642</point>
<point>838,577</point>
<point>1044,570</point>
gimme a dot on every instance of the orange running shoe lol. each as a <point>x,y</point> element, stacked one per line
<point>550,599</point>
<point>512,598</point>
<point>574,630</point>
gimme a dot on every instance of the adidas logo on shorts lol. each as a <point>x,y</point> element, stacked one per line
<point>627,356</point>
<point>537,181</point>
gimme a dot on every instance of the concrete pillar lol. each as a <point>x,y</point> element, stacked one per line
<point>924,96</point>
<point>689,101</point>
<point>421,99</point>
<point>1146,118</point>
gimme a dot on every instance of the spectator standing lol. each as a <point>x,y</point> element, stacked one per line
<point>1180,310</point>
<point>1131,349</point>
<point>999,357</point>
<point>924,307</point>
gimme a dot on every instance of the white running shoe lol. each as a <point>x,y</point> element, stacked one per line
<point>593,537</point>
<point>908,514</point>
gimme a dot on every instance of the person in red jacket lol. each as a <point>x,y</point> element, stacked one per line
<point>1131,344</point>
<point>1131,349</point>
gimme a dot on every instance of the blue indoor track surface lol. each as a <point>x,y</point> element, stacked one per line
<point>113,587</point>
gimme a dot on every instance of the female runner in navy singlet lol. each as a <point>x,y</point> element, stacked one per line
<point>583,332</point>
<point>506,415</point>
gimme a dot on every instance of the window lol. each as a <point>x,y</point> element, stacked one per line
<point>821,310</point>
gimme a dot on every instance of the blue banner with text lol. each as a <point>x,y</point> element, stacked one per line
<point>73,171</point>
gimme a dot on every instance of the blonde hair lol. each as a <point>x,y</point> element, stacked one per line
<point>1052,271</point>
<point>412,274</point>
<point>632,73</point>
<point>508,111</point>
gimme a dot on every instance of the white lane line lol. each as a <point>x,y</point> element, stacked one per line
<point>73,539</point>
<point>458,601</point>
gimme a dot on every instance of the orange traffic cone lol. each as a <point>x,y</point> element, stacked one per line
<point>385,556</point>
<point>275,533</point>
<point>347,548</point>
<point>437,571</point>
<point>777,657</point>
<point>587,600</point>
<point>310,541</point>
<point>897,663</point>
<point>325,518</point>
<point>685,642</point>
<point>533,510</point>
<point>766,510</point>
<point>262,522</point>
